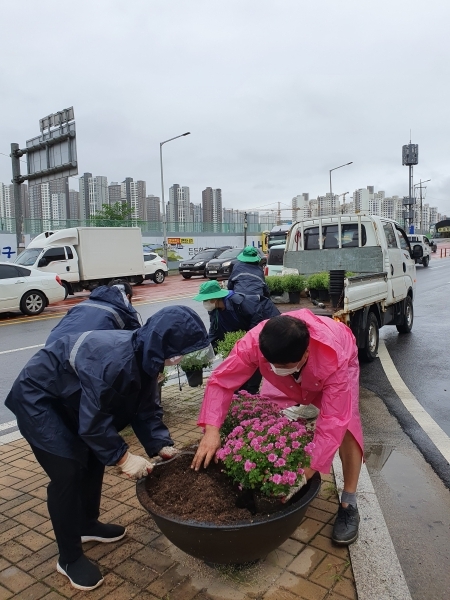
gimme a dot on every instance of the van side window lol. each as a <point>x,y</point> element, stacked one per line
<point>69,252</point>
<point>330,236</point>
<point>53,254</point>
<point>390,235</point>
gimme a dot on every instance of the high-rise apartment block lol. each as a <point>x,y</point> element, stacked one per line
<point>152,209</point>
<point>300,207</point>
<point>179,205</point>
<point>114,192</point>
<point>212,206</point>
<point>93,194</point>
<point>134,193</point>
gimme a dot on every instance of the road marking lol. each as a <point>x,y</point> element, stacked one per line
<point>439,438</point>
<point>24,348</point>
<point>8,425</point>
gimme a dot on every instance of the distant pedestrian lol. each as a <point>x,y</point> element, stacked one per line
<point>247,275</point>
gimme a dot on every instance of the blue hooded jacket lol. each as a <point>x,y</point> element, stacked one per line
<point>79,392</point>
<point>248,278</point>
<point>105,309</point>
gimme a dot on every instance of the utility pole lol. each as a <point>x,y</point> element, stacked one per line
<point>17,180</point>
<point>279,215</point>
<point>245,229</point>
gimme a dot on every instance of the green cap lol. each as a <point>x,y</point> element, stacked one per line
<point>210,290</point>
<point>249,254</point>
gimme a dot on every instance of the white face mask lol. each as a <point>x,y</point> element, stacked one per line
<point>209,305</point>
<point>284,372</point>
<point>170,362</point>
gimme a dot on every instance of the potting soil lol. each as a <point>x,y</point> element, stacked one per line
<point>207,496</point>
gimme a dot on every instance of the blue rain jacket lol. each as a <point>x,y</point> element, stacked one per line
<point>79,392</point>
<point>248,278</point>
<point>105,309</point>
<point>241,312</point>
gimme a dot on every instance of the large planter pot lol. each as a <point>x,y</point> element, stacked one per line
<point>194,378</point>
<point>294,297</point>
<point>237,543</point>
<point>324,295</point>
<point>314,293</point>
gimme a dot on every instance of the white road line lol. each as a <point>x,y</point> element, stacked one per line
<point>10,437</point>
<point>8,425</point>
<point>439,438</point>
<point>24,348</point>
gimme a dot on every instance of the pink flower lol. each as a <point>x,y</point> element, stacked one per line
<point>295,445</point>
<point>272,458</point>
<point>249,465</point>
<point>309,448</point>
<point>237,458</point>
<point>286,451</point>
<point>276,478</point>
<point>250,435</point>
<point>280,462</point>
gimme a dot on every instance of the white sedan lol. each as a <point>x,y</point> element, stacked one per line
<point>155,267</point>
<point>27,290</point>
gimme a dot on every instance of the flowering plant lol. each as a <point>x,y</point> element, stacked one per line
<point>265,451</point>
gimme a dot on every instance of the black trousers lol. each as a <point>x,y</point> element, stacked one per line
<point>252,385</point>
<point>73,499</point>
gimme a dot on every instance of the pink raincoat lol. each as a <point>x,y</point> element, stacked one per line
<point>329,380</point>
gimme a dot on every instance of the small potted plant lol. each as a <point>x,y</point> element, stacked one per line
<point>318,284</point>
<point>193,365</point>
<point>225,346</point>
<point>275,285</point>
<point>294,286</point>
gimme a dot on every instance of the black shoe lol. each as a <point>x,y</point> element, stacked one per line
<point>82,574</point>
<point>103,532</point>
<point>345,530</point>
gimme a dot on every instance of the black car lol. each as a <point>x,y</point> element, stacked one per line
<point>197,264</point>
<point>221,266</point>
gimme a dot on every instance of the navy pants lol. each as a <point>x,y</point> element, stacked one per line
<point>73,499</point>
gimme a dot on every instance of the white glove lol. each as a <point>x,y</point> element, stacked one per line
<point>295,489</point>
<point>135,466</point>
<point>301,411</point>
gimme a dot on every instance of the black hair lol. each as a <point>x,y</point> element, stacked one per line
<point>126,286</point>
<point>284,339</point>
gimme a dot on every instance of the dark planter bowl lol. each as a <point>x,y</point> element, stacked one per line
<point>238,543</point>
<point>294,297</point>
<point>324,295</point>
<point>314,293</point>
<point>194,378</point>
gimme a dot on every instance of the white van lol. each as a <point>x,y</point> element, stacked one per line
<point>274,264</point>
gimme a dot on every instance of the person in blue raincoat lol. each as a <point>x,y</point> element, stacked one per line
<point>108,307</point>
<point>72,399</point>
<point>247,275</point>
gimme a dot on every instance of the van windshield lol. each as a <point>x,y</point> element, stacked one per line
<point>28,257</point>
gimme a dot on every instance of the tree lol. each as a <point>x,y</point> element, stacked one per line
<point>119,211</point>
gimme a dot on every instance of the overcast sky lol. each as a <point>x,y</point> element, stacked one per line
<point>275,93</point>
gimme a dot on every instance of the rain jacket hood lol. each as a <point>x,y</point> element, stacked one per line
<point>104,309</point>
<point>172,331</point>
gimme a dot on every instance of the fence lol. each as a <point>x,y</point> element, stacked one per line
<point>36,226</point>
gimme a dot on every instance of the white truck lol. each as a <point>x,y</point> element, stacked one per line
<point>377,252</point>
<point>86,257</point>
<point>421,247</point>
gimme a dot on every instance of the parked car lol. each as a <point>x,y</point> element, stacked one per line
<point>197,264</point>
<point>155,267</point>
<point>28,290</point>
<point>221,267</point>
<point>275,260</point>
<point>421,248</point>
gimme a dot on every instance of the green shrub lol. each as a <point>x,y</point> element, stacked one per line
<point>195,361</point>
<point>319,281</point>
<point>225,346</point>
<point>293,283</point>
<point>275,284</point>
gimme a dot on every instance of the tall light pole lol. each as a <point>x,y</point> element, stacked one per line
<point>419,185</point>
<point>340,167</point>
<point>163,204</point>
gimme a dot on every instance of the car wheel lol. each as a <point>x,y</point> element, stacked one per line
<point>371,339</point>
<point>186,276</point>
<point>159,276</point>
<point>408,317</point>
<point>33,303</point>
<point>426,261</point>
<point>139,280</point>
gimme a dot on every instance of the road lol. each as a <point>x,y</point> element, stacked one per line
<point>407,463</point>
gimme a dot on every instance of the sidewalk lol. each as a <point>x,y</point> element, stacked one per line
<point>145,565</point>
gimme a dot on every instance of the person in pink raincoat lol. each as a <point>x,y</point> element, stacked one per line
<point>310,360</point>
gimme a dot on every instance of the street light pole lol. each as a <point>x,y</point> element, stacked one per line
<point>163,204</point>
<point>340,167</point>
<point>420,187</point>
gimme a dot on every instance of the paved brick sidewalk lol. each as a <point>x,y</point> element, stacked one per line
<point>145,565</point>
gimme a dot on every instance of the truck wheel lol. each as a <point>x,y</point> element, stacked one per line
<point>426,261</point>
<point>186,276</point>
<point>371,339</point>
<point>66,289</point>
<point>408,317</point>
<point>139,280</point>
<point>159,276</point>
<point>33,303</point>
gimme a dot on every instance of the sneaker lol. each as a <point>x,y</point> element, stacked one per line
<point>168,452</point>
<point>104,532</point>
<point>345,530</point>
<point>82,574</point>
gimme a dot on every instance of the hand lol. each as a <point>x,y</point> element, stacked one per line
<point>309,473</point>
<point>208,447</point>
<point>134,466</point>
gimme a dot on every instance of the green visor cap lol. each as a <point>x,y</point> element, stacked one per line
<point>210,290</point>
<point>249,254</point>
